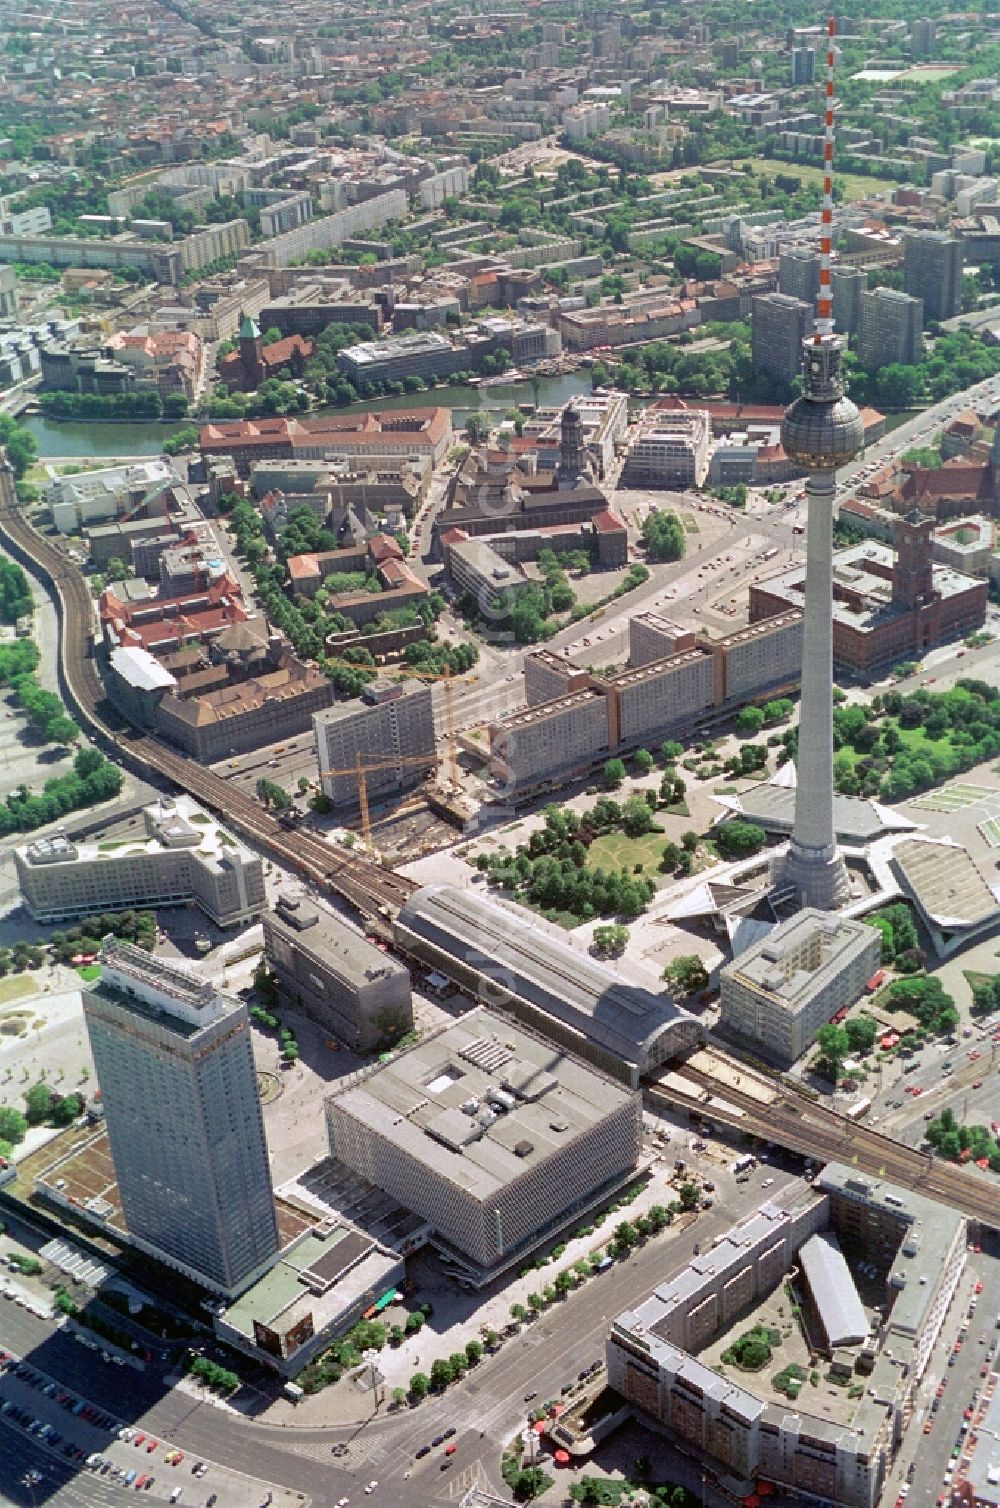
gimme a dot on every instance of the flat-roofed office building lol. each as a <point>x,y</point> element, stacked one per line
<point>781,990</point>
<point>493,1135</point>
<point>340,979</point>
<point>182,855</point>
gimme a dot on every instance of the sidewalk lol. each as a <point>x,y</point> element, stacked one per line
<point>459,1317</point>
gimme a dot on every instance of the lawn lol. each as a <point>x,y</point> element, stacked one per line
<point>17,988</point>
<point>855,185</point>
<point>88,972</point>
<point>913,740</point>
<point>618,851</point>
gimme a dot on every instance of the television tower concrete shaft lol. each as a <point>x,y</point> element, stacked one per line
<point>821,432</point>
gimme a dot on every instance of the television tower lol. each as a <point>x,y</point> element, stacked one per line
<point>821,431</point>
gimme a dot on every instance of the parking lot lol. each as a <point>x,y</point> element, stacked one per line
<point>94,1442</point>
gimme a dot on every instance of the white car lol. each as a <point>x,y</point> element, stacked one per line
<point>767,1183</point>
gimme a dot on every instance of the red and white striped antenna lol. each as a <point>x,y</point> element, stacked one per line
<point>823,323</point>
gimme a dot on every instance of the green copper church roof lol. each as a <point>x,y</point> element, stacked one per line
<point>249,329</point>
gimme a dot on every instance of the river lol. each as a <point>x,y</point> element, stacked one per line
<point>76,438</point>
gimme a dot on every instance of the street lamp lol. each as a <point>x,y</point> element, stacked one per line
<point>371,1358</point>
<point>31,1480</point>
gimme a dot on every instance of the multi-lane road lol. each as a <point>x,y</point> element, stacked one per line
<point>325,1464</point>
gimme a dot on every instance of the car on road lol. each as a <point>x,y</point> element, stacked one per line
<point>528,1396</point>
<point>424,1450</point>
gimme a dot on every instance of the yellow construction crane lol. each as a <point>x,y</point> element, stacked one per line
<point>361,771</point>
<point>449,678</point>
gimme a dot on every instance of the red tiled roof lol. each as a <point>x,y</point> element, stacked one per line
<point>302,567</point>
<point>607,522</point>
<point>282,351</point>
<point>381,547</point>
<point>953,479</point>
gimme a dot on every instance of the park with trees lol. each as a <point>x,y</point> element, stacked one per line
<point>904,743</point>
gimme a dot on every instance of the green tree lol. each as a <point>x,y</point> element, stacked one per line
<point>834,1045</point>
<point>861,1031</point>
<point>477,426</point>
<point>610,939</point>
<point>663,536</point>
<point>38,1103</point>
<point>750,720</point>
<point>473,1352</point>
<point>739,839</point>
<point>614,773</point>
<point>637,818</point>
<point>643,760</point>
<point>687,974</point>
<point>67,1109</point>
<point>690,1196</point>
<point>778,711</point>
<point>13,1125</point>
<point>441,1372</point>
<point>419,1385</point>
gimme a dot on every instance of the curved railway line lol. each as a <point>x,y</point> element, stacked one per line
<point>793,1120</point>
<point>375,892</point>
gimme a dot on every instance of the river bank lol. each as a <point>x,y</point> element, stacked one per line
<point>76,437</point>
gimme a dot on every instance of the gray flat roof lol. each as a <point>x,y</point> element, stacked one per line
<point>764,964</point>
<point>832,1287</point>
<point>319,930</point>
<point>945,883</point>
<point>432,1102</point>
<point>542,970</point>
<point>773,806</point>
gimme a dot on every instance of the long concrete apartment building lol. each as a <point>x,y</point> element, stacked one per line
<point>181,856</point>
<point>339,978</point>
<point>675,678</point>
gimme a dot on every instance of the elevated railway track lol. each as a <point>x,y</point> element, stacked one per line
<point>376,893</point>
<point>722,1089</point>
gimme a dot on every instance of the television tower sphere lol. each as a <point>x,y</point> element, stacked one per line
<point>822,430</point>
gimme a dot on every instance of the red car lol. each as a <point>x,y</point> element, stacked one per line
<point>979,1288</point>
<point>977,1083</point>
<point>449,1450</point>
<point>138,1440</point>
<point>151,1446</point>
<point>918,1090</point>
